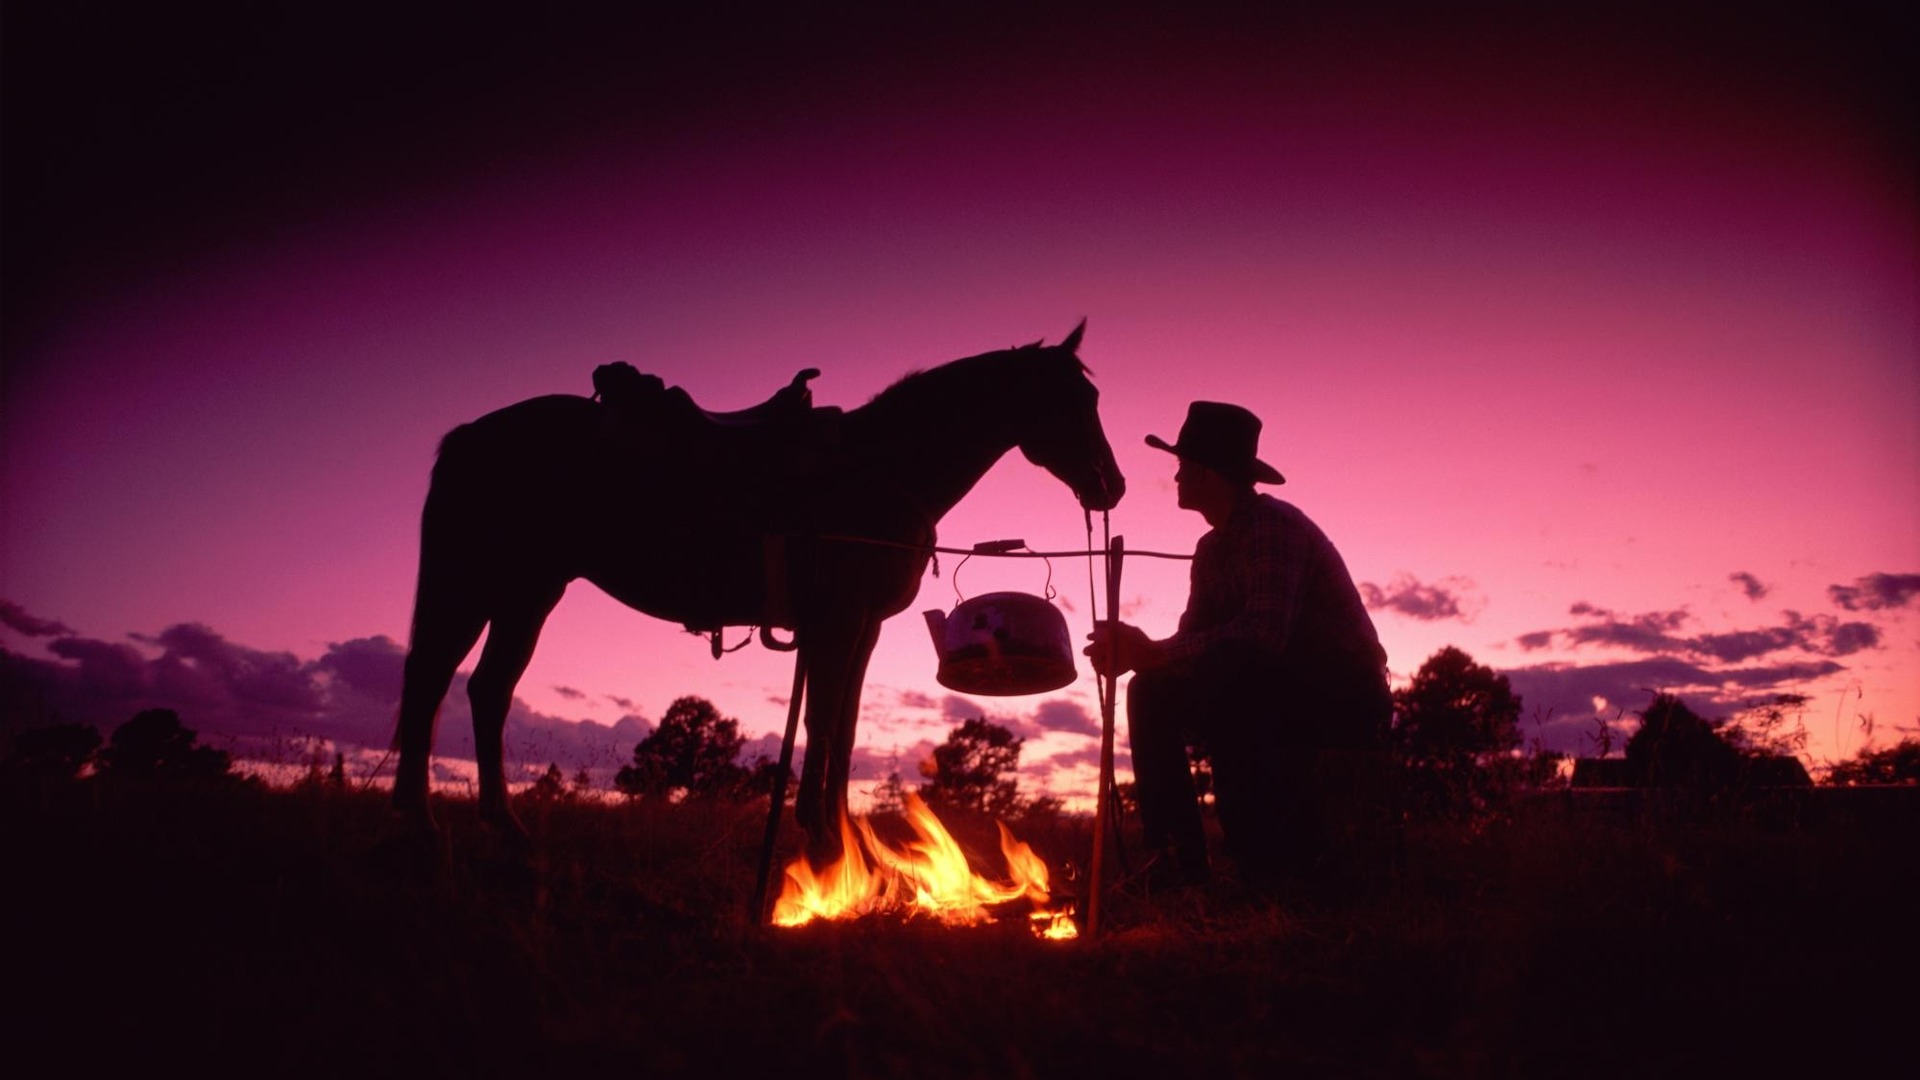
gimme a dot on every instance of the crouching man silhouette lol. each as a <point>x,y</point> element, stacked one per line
<point>1276,672</point>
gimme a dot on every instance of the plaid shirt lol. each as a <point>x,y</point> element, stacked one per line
<point>1269,575</point>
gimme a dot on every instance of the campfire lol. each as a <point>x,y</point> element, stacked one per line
<point>928,875</point>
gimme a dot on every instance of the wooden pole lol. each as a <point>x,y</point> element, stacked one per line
<point>1109,691</point>
<point>761,912</point>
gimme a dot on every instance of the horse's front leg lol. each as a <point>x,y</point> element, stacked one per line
<point>836,662</point>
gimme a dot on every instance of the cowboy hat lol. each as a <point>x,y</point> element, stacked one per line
<point>1225,438</point>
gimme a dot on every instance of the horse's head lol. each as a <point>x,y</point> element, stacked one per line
<point>1062,433</point>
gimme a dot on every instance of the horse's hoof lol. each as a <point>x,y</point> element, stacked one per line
<point>824,848</point>
<point>506,826</point>
<point>414,818</point>
<point>412,845</point>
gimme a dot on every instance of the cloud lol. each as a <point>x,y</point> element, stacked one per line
<point>371,666</point>
<point>201,667</point>
<point>1718,672</point>
<point>112,670</point>
<point>15,618</point>
<point>274,705</point>
<point>1752,586</point>
<point>570,693</point>
<point>1562,702</point>
<point>1661,633</point>
<point>1876,592</point>
<point>1068,717</point>
<point>1427,603</point>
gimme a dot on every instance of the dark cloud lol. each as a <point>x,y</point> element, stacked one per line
<point>1752,586</point>
<point>1069,717</point>
<point>1849,638</point>
<point>249,677</point>
<point>1051,715</point>
<point>1649,632</point>
<point>1719,673</point>
<point>1088,756</point>
<point>15,618</point>
<point>371,666</point>
<point>1660,633</point>
<point>1821,635</point>
<point>1559,700</point>
<point>535,739</point>
<point>1876,592</point>
<point>1427,603</point>
<point>570,693</point>
<point>217,687</point>
<point>277,707</point>
<point>112,670</point>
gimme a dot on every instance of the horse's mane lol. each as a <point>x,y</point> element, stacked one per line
<point>940,383</point>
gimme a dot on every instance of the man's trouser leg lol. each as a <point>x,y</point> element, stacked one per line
<point>1256,774</point>
<point>1158,725</point>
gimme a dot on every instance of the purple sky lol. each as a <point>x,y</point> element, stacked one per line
<point>1591,342</point>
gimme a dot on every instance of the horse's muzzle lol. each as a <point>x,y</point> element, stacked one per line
<point>1105,494</point>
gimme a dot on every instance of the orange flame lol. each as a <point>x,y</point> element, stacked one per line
<point>925,876</point>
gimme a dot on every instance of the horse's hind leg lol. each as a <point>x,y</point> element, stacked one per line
<point>514,629</point>
<point>440,640</point>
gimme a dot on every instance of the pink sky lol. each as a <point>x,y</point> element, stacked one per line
<point>1592,345</point>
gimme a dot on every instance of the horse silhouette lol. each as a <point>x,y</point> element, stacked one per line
<point>810,520</point>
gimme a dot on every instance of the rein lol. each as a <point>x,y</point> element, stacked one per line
<point>1002,549</point>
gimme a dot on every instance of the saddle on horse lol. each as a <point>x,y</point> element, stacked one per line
<point>625,387</point>
<point>755,468</point>
<point>643,405</point>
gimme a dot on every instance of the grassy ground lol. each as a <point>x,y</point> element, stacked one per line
<point>251,932</point>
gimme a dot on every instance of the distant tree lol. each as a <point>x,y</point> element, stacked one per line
<point>890,794</point>
<point>974,770</point>
<point>317,778</point>
<point>692,752</point>
<point>1676,747</point>
<point>760,776</point>
<point>1041,808</point>
<point>582,782</point>
<point>1897,764</point>
<point>1455,730</point>
<point>54,753</point>
<point>551,787</point>
<point>154,745</point>
<point>1773,727</point>
<point>1545,768</point>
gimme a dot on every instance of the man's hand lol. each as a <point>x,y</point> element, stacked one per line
<point>1119,648</point>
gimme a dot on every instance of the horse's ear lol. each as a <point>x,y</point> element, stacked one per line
<point>1071,342</point>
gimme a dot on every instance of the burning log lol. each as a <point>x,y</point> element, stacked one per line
<point>926,876</point>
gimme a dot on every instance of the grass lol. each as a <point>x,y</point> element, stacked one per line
<point>248,930</point>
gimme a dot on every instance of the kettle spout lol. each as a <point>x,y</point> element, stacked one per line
<point>937,626</point>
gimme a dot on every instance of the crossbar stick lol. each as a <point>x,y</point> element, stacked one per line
<point>761,912</point>
<point>1104,801</point>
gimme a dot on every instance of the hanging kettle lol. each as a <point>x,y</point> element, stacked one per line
<point>1002,644</point>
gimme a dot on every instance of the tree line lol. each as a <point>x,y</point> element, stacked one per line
<point>1456,746</point>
